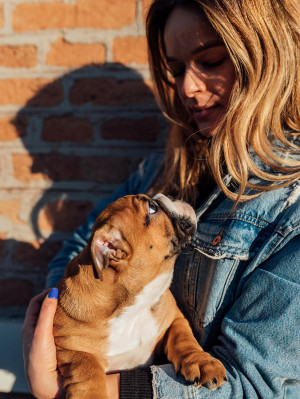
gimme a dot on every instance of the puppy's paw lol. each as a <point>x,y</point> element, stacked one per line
<point>202,370</point>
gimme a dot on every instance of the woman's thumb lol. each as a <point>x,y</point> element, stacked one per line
<point>44,327</point>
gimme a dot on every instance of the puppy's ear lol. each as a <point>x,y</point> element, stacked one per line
<point>107,245</point>
<point>100,256</point>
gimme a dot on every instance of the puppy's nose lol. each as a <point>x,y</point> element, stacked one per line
<point>187,225</point>
<point>186,215</point>
<point>181,213</point>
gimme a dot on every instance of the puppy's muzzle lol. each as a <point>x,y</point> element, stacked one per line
<point>183,218</point>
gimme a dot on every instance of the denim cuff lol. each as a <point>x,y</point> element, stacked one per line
<point>168,385</point>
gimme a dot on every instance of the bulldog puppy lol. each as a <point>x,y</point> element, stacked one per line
<point>115,309</point>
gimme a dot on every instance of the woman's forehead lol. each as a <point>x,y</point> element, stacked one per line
<point>186,29</point>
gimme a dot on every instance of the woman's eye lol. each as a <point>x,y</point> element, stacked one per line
<point>214,64</point>
<point>152,209</point>
<point>178,73</point>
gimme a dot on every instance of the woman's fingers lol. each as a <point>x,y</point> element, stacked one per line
<point>44,328</point>
<point>39,347</point>
<point>32,312</point>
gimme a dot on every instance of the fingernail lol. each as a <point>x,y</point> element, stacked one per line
<point>53,293</point>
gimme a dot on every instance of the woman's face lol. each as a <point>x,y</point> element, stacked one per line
<point>200,64</point>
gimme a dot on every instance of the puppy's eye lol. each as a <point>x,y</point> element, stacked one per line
<point>152,208</point>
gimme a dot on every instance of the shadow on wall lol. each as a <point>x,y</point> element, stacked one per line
<point>84,133</point>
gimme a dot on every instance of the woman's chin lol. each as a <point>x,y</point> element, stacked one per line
<point>207,130</point>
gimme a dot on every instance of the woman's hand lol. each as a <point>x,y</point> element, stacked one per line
<point>113,385</point>
<point>39,349</point>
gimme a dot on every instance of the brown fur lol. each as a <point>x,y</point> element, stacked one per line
<point>94,292</point>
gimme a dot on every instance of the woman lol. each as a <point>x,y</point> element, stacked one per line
<point>226,74</point>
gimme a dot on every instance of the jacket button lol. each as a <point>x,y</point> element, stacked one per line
<point>218,238</point>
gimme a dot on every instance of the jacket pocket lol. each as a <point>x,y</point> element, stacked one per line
<point>203,288</point>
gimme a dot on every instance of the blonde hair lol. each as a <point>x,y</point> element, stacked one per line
<point>263,117</point>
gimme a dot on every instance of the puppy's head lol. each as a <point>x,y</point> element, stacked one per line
<point>139,236</point>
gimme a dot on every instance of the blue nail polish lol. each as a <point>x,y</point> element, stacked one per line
<point>53,293</point>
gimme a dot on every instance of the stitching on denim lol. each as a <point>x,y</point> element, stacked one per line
<point>232,250</point>
<point>209,318</point>
<point>191,390</point>
<point>252,220</point>
<point>211,256</point>
<point>235,251</point>
<point>268,225</point>
<point>276,243</point>
<point>227,282</point>
<point>224,246</point>
<point>287,230</point>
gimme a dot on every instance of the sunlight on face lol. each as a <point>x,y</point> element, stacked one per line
<point>201,66</point>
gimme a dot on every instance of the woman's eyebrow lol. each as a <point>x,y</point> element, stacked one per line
<point>207,45</point>
<point>199,49</point>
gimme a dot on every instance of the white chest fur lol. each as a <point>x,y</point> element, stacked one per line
<point>134,332</point>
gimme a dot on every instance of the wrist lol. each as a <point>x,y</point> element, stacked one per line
<point>136,383</point>
<point>113,385</point>
<point>50,389</point>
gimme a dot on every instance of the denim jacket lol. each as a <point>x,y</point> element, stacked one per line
<point>238,284</point>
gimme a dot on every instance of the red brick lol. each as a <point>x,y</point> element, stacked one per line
<point>36,255</point>
<point>106,169</point>
<point>111,92</point>
<point>144,130</point>
<point>1,16</point>
<point>128,49</point>
<point>12,128</point>
<point>15,292</point>
<point>11,210</point>
<point>63,53</point>
<point>58,167</point>
<point>146,5</point>
<point>67,128</point>
<point>64,215</point>
<point>18,56</point>
<point>34,92</point>
<point>99,14</point>
<point>49,95</point>
<point>23,168</point>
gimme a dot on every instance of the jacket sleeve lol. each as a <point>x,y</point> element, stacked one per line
<point>138,182</point>
<point>259,343</point>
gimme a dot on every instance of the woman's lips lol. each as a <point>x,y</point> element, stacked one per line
<point>199,113</point>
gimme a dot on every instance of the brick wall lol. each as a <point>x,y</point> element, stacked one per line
<point>76,116</point>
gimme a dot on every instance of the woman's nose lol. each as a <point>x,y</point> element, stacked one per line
<point>192,83</point>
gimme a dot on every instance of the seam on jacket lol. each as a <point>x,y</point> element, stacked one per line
<point>154,383</point>
<point>277,243</point>
<point>251,220</point>
<point>219,253</point>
